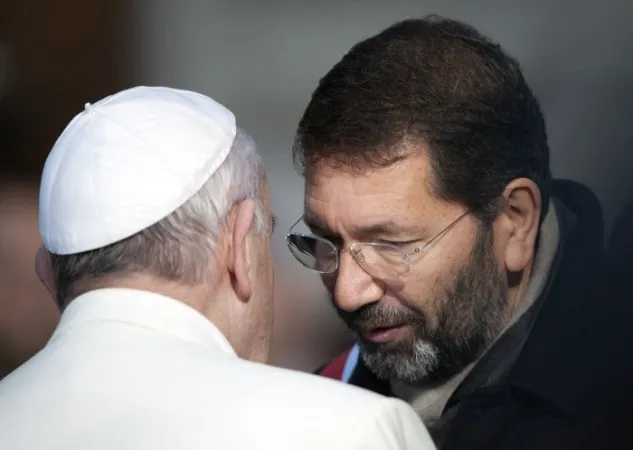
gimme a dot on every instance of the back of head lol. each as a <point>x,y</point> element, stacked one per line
<point>142,184</point>
<point>436,81</point>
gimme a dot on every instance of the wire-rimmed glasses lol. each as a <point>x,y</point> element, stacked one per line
<point>378,259</point>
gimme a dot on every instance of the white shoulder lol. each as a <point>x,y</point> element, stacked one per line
<point>316,389</point>
<point>391,425</point>
<point>352,417</point>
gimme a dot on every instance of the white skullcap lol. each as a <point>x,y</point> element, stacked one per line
<point>127,162</point>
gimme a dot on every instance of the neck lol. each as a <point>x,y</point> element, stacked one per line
<point>208,299</point>
<point>194,296</point>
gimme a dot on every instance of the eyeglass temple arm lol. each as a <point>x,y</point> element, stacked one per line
<point>295,224</point>
<point>441,233</point>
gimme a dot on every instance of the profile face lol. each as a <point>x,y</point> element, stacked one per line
<point>413,276</point>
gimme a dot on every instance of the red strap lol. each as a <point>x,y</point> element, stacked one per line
<point>335,368</point>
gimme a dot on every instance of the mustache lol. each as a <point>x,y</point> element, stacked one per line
<point>375,315</point>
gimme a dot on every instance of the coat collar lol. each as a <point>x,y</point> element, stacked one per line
<point>559,362</point>
<point>142,309</point>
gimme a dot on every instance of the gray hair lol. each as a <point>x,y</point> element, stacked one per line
<point>180,246</point>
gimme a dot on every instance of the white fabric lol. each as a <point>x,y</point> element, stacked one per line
<point>132,370</point>
<point>127,162</point>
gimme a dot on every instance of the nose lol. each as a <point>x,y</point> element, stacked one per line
<point>354,287</point>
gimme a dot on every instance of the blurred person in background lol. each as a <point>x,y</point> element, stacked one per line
<point>468,276</point>
<point>156,223</point>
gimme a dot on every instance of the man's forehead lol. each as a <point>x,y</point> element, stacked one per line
<point>376,225</point>
<point>367,206</point>
<point>402,185</point>
<point>381,201</point>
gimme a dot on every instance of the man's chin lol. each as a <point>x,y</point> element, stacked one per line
<point>406,361</point>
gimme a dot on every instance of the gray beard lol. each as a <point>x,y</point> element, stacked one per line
<point>472,315</point>
<point>412,368</point>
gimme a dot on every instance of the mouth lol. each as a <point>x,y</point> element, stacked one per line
<point>385,334</point>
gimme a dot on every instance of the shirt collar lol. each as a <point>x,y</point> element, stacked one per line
<point>144,309</point>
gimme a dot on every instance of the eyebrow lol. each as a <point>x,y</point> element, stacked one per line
<point>384,228</point>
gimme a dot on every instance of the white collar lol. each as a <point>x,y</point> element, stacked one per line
<point>146,309</point>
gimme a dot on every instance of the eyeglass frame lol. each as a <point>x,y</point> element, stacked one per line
<point>406,256</point>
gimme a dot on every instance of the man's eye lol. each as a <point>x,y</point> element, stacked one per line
<point>323,234</point>
<point>333,239</point>
<point>403,244</point>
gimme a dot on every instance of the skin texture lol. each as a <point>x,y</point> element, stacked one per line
<point>461,289</point>
<point>248,277</point>
<point>237,296</point>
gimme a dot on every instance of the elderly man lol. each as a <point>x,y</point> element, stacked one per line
<point>464,271</point>
<point>155,217</point>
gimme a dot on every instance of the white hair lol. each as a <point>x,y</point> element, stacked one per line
<point>239,178</point>
<point>180,246</point>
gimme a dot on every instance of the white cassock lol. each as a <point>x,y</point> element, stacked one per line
<point>133,370</point>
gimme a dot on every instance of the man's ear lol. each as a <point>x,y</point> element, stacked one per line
<point>44,271</point>
<point>240,226</point>
<point>522,211</point>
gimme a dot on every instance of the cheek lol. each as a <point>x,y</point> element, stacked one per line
<point>270,265</point>
<point>420,290</point>
<point>266,259</point>
<point>426,285</point>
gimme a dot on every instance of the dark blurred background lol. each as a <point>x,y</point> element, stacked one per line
<point>54,57</point>
<point>262,60</point>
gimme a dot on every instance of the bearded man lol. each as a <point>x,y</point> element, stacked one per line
<point>466,273</point>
